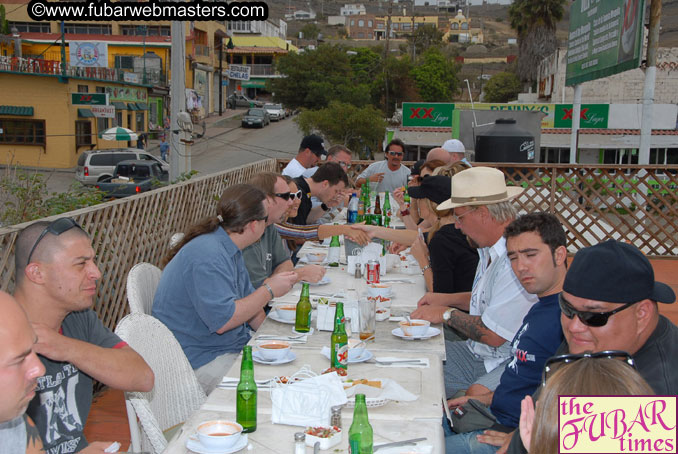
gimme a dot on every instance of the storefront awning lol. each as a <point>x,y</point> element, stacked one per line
<point>427,137</point>
<point>254,83</point>
<point>85,113</point>
<point>23,111</point>
<point>119,105</point>
<point>132,106</point>
<point>142,106</point>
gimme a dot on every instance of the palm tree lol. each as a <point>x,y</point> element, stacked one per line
<point>535,22</point>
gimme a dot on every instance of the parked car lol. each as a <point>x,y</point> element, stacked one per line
<point>256,117</point>
<point>133,177</point>
<point>96,165</point>
<point>238,100</point>
<point>275,111</point>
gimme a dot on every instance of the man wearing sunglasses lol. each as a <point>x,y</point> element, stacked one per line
<point>609,302</point>
<point>268,256</point>
<point>56,283</point>
<point>310,152</point>
<point>390,174</point>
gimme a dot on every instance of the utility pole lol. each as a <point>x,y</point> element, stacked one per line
<point>386,51</point>
<point>648,87</point>
<point>178,164</point>
<point>221,77</point>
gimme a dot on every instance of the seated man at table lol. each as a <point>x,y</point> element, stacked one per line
<point>19,372</point>
<point>609,302</point>
<point>205,296</point>
<point>328,185</point>
<point>310,152</point>
<point>390,174</point>
<point>497,302</point>
<point>536,247</point>
<point>56,282</point>
<point>267,256</point>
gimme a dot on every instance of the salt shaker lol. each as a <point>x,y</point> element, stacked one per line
<point>299,443</point>
<point>358,271</point>
<point>335,419</point>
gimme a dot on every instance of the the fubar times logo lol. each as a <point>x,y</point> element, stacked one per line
<point>617,424</point>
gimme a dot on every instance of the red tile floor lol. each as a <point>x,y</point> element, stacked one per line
<point>108,417</point>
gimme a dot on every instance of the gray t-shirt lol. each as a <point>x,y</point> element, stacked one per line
<point>64,394</point>
<point>262,257</point>
<point>13,436</point>
<point>392,179</point>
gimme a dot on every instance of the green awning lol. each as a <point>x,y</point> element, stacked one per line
<point>119,105</point>
<point>85,113</point>
<point>142,106</point>
<point>23,111</point>
<point>132,106</point>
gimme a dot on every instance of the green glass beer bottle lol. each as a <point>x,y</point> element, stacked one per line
<point>360,433</point>
<point>334,252</point>
<point>386,209</point>
<point>302,323</point>
<point>339,339</point>
<point>246,393</point>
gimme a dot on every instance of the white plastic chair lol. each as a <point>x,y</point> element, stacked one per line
<point>142,282</point>
<point>176,393</point>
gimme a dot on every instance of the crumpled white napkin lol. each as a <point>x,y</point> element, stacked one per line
<point>390,389</point>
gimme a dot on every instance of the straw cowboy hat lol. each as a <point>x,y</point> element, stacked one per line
<point>479,186</point>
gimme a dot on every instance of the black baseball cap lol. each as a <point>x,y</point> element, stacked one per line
<point>314,143</point>
<point>614,272</point>
<point>416,168</point>
<point>436,188</point>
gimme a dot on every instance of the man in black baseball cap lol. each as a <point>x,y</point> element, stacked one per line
<point>310,152</point>
<point>609,302</point>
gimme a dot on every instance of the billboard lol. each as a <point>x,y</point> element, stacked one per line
<point>88,54</point>
<point>606,37</point>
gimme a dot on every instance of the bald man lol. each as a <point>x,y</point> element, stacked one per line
<point>439,154</point>
<point>56,282</point>
<point>19,371</point>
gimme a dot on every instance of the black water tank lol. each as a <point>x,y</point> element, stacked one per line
<point>505,142</point>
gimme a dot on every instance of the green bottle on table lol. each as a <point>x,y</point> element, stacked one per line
<point>386,209</point>
<point>302,323</point>
<point>334,252</point>
<point>339,340</point>
<point>246,393</point>
<point>360,433</point>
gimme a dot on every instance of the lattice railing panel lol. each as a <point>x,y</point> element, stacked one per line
<point>127,231</point>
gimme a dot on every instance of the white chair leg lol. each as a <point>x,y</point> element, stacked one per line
<point>135,433</point>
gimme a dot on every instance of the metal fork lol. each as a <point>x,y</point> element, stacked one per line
<point>414,362</point>
<point>275,336</point>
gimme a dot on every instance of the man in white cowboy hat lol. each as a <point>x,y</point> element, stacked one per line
<point>490,315</point>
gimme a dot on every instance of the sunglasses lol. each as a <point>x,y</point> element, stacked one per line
<point>595,319</point>
<point>396,153</point>
<point>552,362</point>
<point>289,195</point>
<point>57,227</point>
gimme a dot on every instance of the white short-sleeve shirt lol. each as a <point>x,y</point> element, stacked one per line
<point>294,169</point>
<point>500,300</point>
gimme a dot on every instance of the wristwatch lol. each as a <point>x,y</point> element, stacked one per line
<point>448,313</point>
<point>324,207</point>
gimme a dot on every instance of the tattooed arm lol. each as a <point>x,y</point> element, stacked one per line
<point>473,327</point>
<point>33,440</point>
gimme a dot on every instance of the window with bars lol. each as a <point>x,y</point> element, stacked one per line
<point>22,132</point>
<point>31,27</point>
<point>88,29</point>
<point>151,30</point>
<point>124,61</point>
<point>83,133</point>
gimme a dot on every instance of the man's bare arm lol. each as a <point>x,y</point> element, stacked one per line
<point>473,327</point>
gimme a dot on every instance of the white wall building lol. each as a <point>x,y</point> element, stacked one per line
<point>260,27</point>
<point>352,9</point>
<point>301,15</point>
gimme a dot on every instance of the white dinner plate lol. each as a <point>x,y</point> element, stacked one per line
<point>194,445</point>
<point>325,280</point>
<point>362,358</point>
<point>256,356</point>
<point>432,332</point>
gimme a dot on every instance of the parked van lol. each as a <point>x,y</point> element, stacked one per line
<point>96,165</point>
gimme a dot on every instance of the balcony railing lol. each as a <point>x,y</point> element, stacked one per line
<point>202,50</point>
<point>53,67</point>
<point>260,69</point>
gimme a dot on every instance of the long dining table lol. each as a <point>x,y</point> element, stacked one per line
<point>393,421</point>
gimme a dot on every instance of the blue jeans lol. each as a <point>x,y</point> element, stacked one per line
<point>467,443</point>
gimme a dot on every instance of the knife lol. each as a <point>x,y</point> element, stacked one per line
<point>398,443</point>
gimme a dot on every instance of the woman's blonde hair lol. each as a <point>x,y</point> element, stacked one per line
<point>585,377</point>
<point>450,170</point>
<point>432,206</point>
